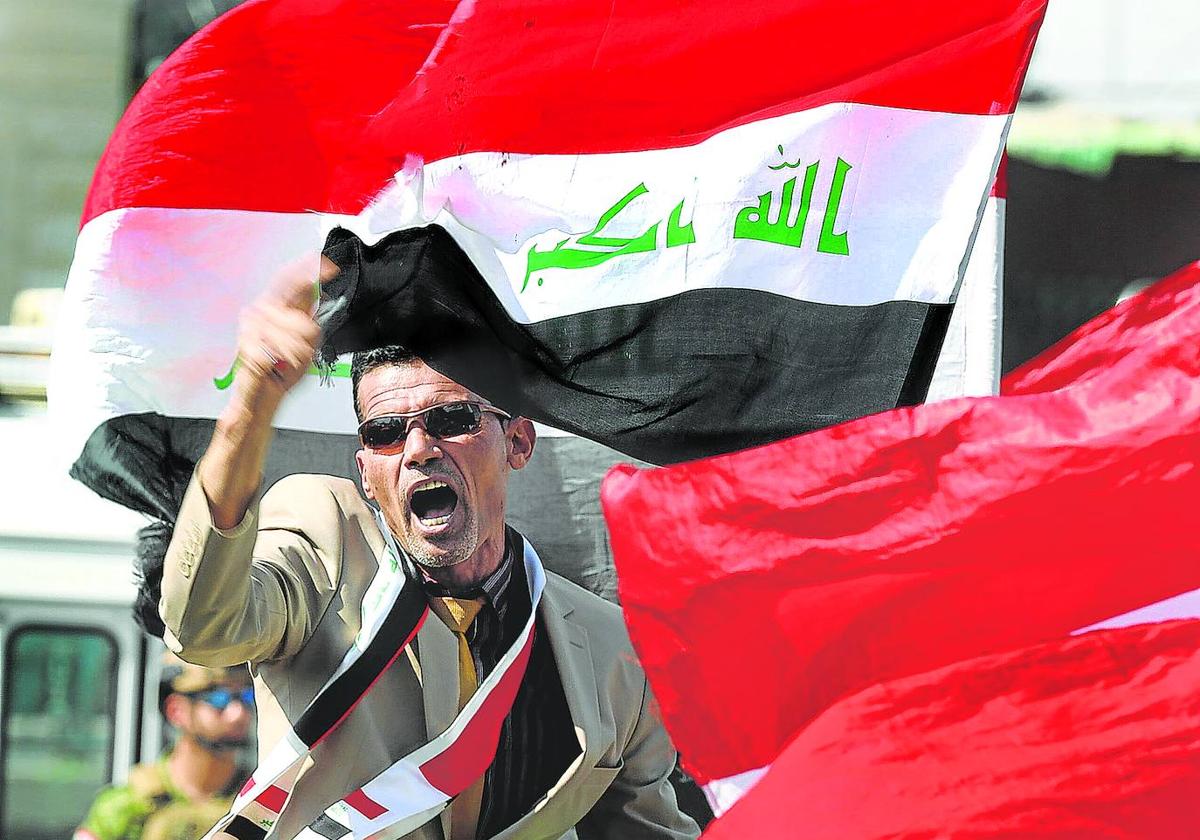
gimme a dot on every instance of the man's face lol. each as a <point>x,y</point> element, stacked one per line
<point>444,499</point>
<point>229,725</point>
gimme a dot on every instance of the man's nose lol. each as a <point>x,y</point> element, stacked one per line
<point>420,447</point>
<point>237,710</point>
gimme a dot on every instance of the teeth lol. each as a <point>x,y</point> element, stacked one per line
<point>433,521</point>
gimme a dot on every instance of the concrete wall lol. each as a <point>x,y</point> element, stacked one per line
<point>61,91</point>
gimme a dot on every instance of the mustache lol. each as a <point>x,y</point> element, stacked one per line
<point>226,744</point>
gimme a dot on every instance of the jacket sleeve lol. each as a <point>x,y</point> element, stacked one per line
<point>256,591</point>
<point>640,804</point>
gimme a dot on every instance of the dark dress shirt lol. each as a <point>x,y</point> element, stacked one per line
<point>537,739</point>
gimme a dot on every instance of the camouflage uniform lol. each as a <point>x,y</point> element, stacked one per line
<point>150,807</point>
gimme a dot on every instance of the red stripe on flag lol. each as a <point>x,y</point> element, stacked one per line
<point>914,538</point>
<point>1094,736</point>
<point>241,117</point>
<point>273,798</point>
<point>1000,187</point>
<point>365,805</point>
<point>468,756</point>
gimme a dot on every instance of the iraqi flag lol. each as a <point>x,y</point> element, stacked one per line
<point>764,588</point>
<point>685,228</point>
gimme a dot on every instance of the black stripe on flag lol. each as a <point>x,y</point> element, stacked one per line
<point>328,827</point>
<point>145,462</point>
<point>700,373</point>
<point>243,829</point>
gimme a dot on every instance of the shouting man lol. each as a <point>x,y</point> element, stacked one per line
<point>419,674</point>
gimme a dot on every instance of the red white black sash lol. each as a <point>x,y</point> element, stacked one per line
<point>416,788</point>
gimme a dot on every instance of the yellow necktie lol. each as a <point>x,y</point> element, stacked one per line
<point>458,614</point>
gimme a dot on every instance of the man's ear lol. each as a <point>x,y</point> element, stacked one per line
<point>521,437</point>
<point>175,710</point>
<point>360,458</point>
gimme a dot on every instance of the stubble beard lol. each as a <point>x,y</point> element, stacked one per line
<point>460,548</point>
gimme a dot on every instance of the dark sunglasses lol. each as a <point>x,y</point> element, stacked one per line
<point>440,421</point>
<point>221,698</point>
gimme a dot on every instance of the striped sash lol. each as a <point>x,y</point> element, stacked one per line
<point>416,788</point>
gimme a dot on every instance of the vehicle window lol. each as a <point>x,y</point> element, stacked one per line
<point>56,737</point>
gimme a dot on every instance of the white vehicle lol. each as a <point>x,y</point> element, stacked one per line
<point>78,679</point>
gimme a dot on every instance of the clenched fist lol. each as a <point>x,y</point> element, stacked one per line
<point>278,337</point>
<point>276,343</point>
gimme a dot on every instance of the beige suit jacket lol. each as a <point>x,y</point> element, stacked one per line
<point>283,591</point>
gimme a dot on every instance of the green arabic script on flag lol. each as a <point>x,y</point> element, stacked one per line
<point>561,256</point>
<point>753,221</point>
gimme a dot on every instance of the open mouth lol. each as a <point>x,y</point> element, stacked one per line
<point>433,503</point>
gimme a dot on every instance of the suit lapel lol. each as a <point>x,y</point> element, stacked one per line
<point>573,658</point>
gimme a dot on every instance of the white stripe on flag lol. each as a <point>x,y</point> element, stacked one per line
<point>723,793</point>
<point>153,299</point>
<point>150,314</point>
<point>910,202</point>
<point>1186,605</point>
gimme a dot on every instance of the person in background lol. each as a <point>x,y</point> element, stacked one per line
<point>182,794</point>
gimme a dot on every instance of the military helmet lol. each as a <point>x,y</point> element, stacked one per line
<point>182,677</point>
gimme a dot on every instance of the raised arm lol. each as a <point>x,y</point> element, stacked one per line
<point>276,343</point>
<point>218,604</point>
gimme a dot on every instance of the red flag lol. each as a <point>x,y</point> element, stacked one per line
<point>762,587</point>
<point>1096,736</point>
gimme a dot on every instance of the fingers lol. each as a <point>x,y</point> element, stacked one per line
<point>289,325</point>
<point>278,337</point>
<point>298,284</point>
<point>288,333</point>
<point>276,345</point>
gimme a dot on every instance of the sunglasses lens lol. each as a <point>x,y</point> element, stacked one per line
<point>441,421</point>
<point>218,698</point>
<point>383,432</point>
<point>450,420</point>
<point>221,698</point>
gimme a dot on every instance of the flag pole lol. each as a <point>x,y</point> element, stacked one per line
<point>969,364</point>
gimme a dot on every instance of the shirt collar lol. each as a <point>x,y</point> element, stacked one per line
<point>494,587</point>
